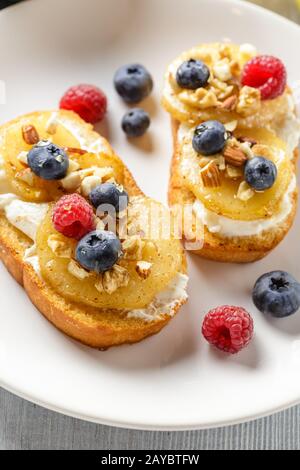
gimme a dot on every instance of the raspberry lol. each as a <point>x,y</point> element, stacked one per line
<point>228,328</point>
<point>86,100</point>
<point>73,216</point>
<point>266,73</point>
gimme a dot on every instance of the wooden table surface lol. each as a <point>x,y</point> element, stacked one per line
<point>27,426</point>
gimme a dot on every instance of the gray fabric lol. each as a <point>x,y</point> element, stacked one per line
<point>27,426</point>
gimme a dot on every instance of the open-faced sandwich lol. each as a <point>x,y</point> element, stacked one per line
<point>76,232</point>
<point>235,134</point>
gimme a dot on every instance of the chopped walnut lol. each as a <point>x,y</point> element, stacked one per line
<point>143,268</point>
<point>133,248</point>
<point>233,172</point>
<point>58,247</point>
<point>221,89</point>
<point>249,102</point>
<point>245,192</point>
<point>201,98</point>
<point>77,271</point>
<point>113,279</point>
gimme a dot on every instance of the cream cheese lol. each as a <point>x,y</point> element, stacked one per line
<point>164,302</point>
<point>25,216</point>
<point>226,227</point>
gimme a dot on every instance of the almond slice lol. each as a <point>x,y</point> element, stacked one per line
<point>30,135</point>
<point>234,156</point>
<point>75,150</point>
<point>210,175</point>
<point>229,104</point>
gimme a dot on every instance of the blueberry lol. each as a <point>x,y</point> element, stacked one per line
<point>136,122</point>
<point>48,161</point>
<point>209,138</point>
<point>110,194</point>
<point>192,74</point>
<point>277,293</point>
<point>133,82</point>
<point>98,251</point>
<point>260,173</point>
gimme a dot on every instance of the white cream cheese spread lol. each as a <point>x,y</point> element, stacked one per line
<point>227,227</point>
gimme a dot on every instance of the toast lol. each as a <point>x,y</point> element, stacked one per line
<point>237,224</point>
<point>96,327</point>
<point>233,249</point>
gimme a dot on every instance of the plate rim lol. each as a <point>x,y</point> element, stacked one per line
<point>153,427</point>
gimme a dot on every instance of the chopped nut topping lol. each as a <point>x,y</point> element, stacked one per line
<point>113,279</point>
<point>245,192</point>
<point>222,70</point>
<point>26,175</point>
<point>211,175</point>
<point>249,101</point>
<point>201,98</point>
<point>133,248</point>
<point>143,268</point>
<point>77,271</point>
<point>59,248</point>
<point>23,157</point>
<point>72,181</point>
<point>51,126</point>
<point>231,126</point>
<point>73,166</point>
<point>89,183</point>
<point>230,103</point>
<point>234,155</point>
<point>233,172</point>
<point>247,140</point>
<point>30,135</point>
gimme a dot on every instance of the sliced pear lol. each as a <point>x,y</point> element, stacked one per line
<point>165,257</point>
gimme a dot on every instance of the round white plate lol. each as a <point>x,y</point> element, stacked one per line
<point>173,380</point>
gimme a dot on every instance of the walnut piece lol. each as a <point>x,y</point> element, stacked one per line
<point>113,279</point>
<point>58,247</point>
<point>77,271</point>
<point>27,176</point>
<point>249,101</point>
<point>143,268</point>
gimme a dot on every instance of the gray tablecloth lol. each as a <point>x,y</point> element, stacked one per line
<point>27,426</point>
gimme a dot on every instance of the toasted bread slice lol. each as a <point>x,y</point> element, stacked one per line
<point>94,327</point>
<point>236,249</point>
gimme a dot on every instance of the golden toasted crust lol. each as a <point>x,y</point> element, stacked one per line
<point>234,250</point>
<point>91,326</point>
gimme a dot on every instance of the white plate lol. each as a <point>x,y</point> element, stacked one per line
<point>173,380</point>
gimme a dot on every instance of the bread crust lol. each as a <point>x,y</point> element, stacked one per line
<point>224,249</point>
<point>94,327</point>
